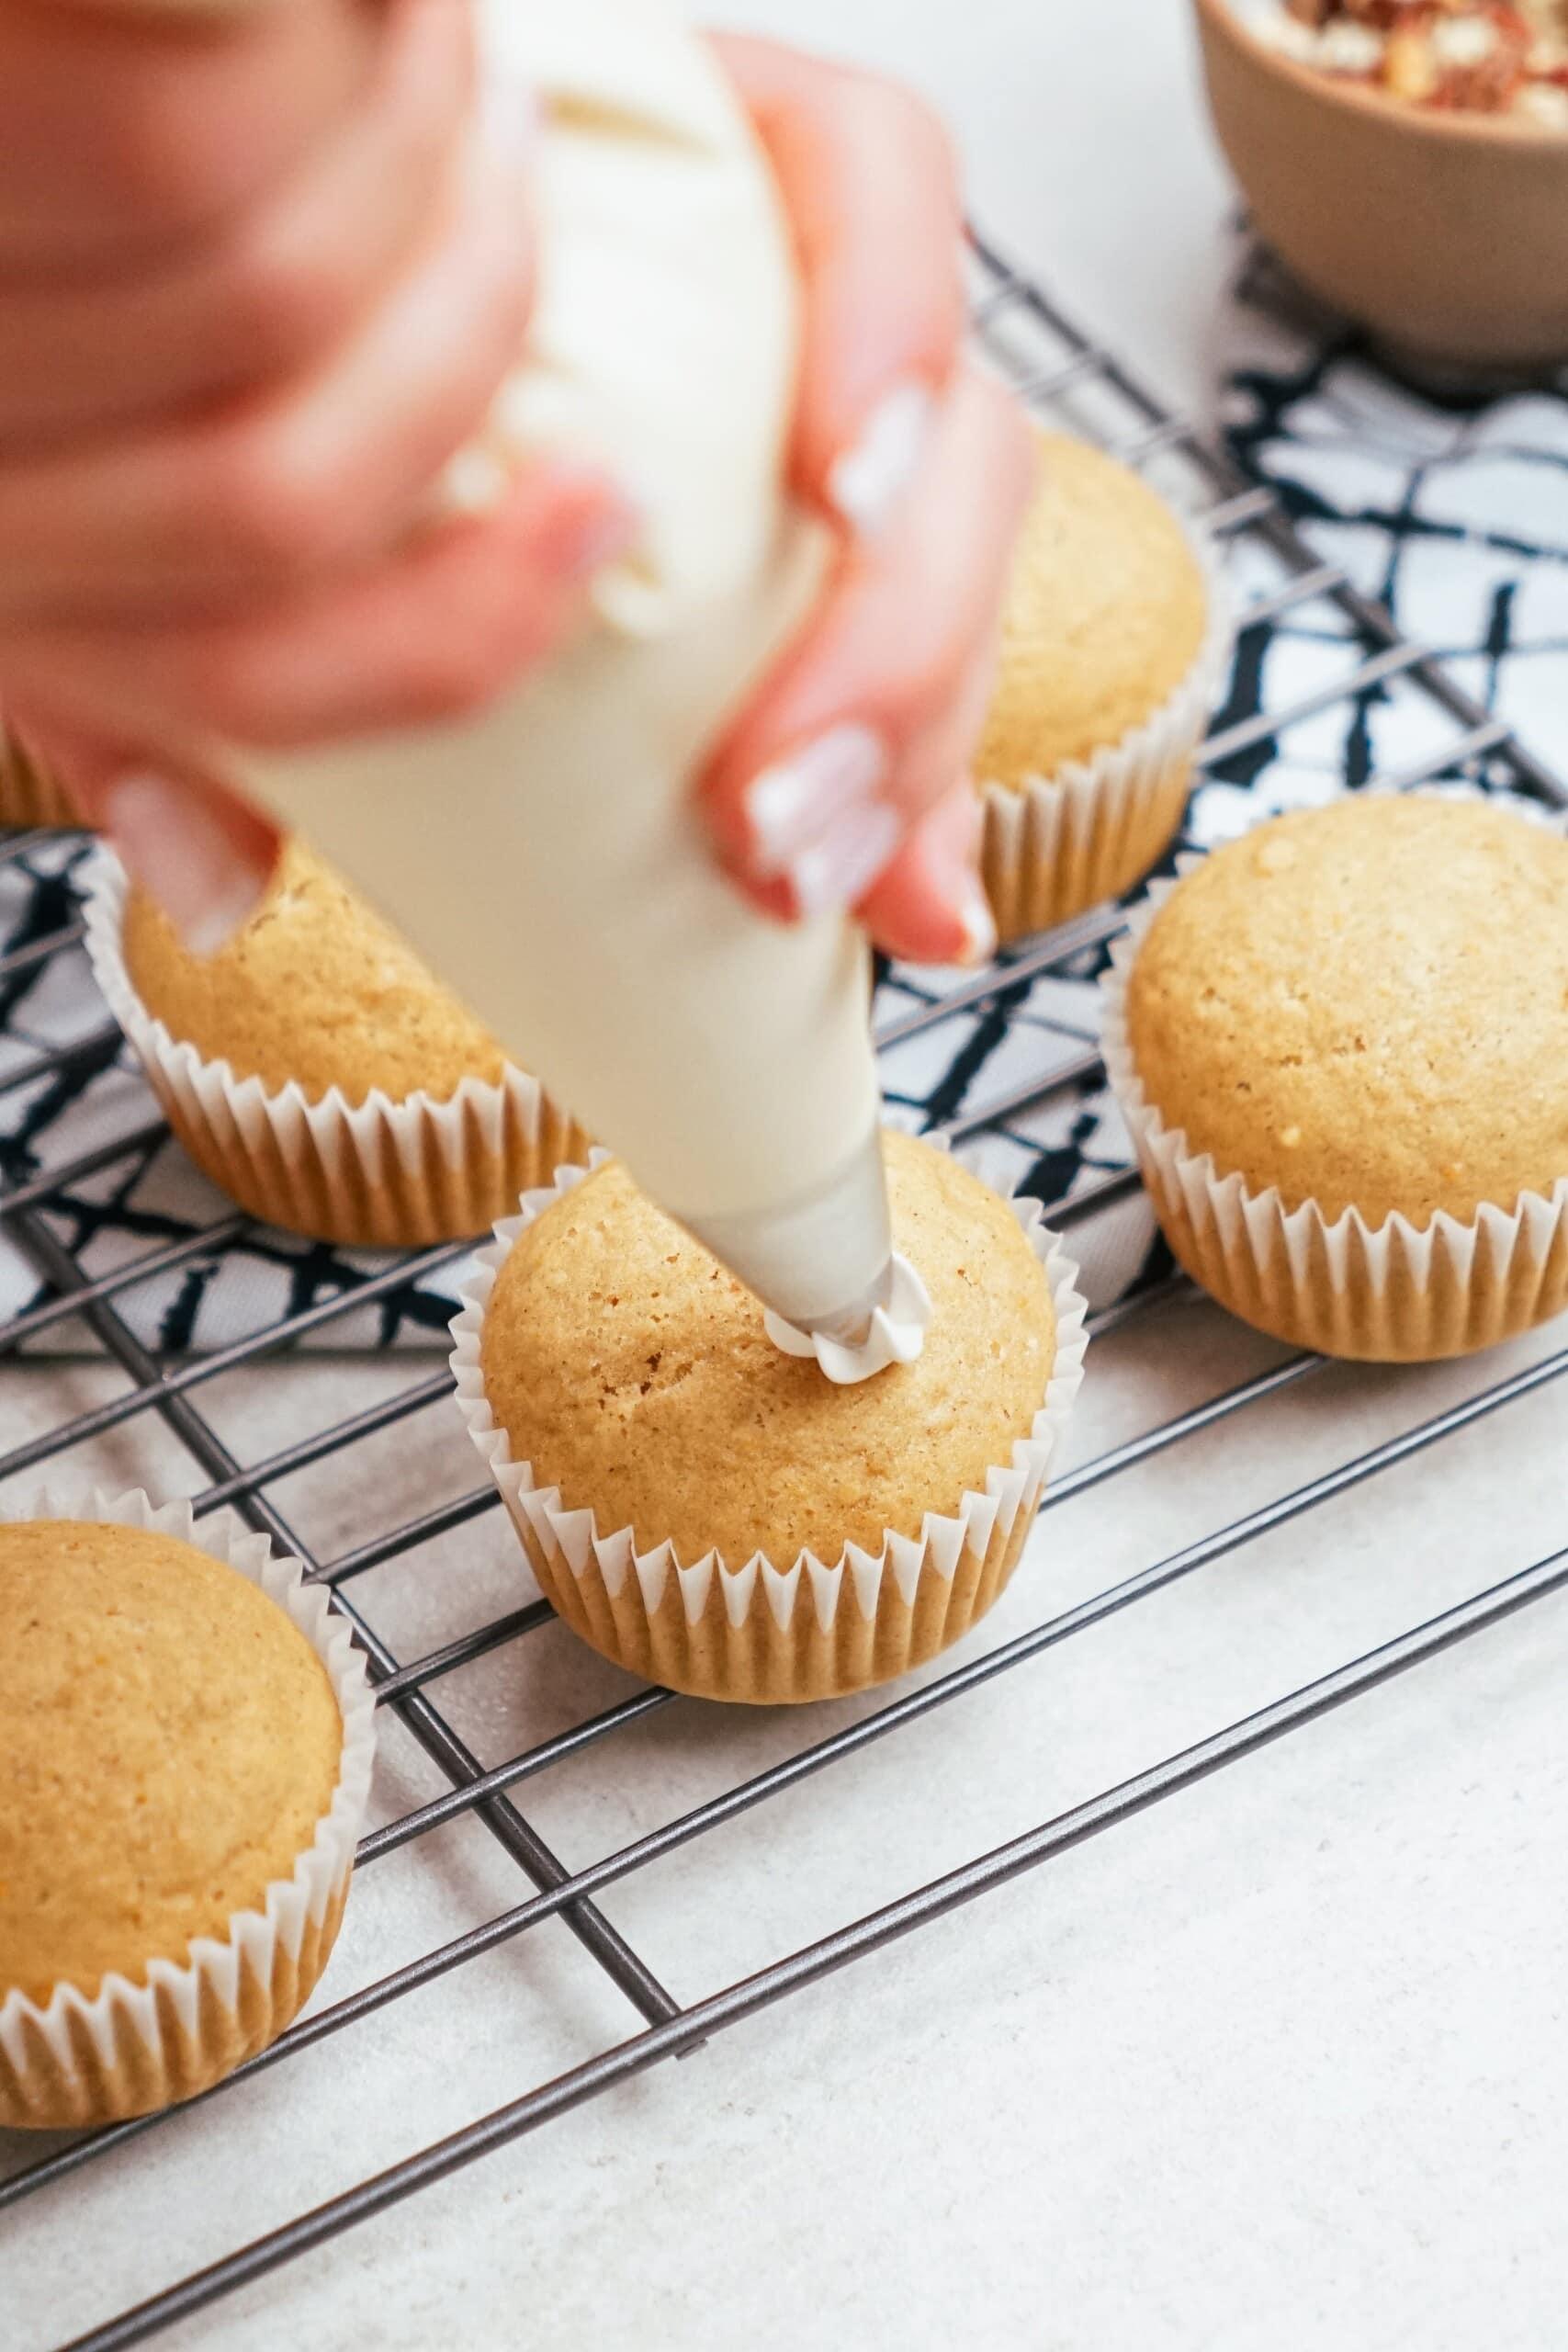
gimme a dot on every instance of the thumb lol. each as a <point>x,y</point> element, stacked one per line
<point>201,850</point>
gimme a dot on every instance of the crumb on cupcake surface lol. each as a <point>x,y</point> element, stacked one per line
<point>1105,613</point>
<point>1366,1005</point>
<point>314,988</point>
<point>636,1375</point>
<point>169,1741</point>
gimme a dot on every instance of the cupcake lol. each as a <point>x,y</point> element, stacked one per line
<point>187,1750</point>
<point>1340,1045</point>
<point>317,1071</point>
<point>708,1510</point>
<point>29,796</point>
<point>1114,635</point>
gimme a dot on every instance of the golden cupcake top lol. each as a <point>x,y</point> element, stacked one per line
<point>1105,614</point>
<point>169,1742</point>
<point>1366,1005</point>
<point>314,988</point>
<point>29,794</point>
<point>634,1374</point>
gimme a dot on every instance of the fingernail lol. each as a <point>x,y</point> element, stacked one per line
<point>979,925</point>
<point>868,481</point>
<point>476,481</point>
<point>947,845</point>
<point>173,844</point>
<point>840,869</point>
<point>607,520</point>
<point>793,804</point>
<point>509,111</point>
<point>584,543</point>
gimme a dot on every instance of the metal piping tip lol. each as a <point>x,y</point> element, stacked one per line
<point>851,1325</point>
<point>885,1325</point>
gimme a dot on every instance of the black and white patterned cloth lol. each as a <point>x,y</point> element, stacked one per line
<point>1456,517</point>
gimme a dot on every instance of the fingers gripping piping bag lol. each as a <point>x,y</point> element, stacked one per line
<point>544,855</point>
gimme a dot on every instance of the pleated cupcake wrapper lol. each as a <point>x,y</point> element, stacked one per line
<point>1393,1293</point>
<point>138,2045</point>
<point>380,1173</point>
<point>28,793</point>
<point>1056,844</point>
<point>755,1631</point>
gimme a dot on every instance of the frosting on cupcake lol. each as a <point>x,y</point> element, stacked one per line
<point>896,1333</point>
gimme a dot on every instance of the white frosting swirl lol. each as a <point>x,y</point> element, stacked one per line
<point>896,1333</point>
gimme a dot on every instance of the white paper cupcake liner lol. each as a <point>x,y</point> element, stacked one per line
<point>136,2046</point>
<point>760,1631</point>
<point>1059,843</point>
<point>383,1174</point>
<point>1394,1292</point>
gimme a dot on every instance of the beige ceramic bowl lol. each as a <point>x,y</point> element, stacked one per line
<point>1447,234</point>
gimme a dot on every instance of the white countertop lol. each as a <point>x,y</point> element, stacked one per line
<point>1084,141</point>
<point>1280,2064</point>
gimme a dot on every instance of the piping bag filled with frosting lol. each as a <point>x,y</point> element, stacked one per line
<point>544,856</point>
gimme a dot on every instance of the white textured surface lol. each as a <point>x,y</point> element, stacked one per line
<point>1084,144</point>
<point>1279,2065</point>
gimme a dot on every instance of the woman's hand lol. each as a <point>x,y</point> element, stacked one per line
<point>846,781</point>
<point>258,284</point>
<point>189,548</point>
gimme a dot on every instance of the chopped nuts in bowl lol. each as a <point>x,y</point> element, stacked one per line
<point>1464,56</point>
<point>1408,159</point>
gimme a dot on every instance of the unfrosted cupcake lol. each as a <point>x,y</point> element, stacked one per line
<point>317,1071</point>
<point>1114,633</point>
<point>1340,1044</point>
<point>186,1755</point>
<point>713,1514</point>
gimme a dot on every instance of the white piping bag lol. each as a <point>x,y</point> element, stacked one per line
<point>544,856</point>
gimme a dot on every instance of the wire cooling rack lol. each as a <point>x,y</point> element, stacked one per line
<point>1070,379</point>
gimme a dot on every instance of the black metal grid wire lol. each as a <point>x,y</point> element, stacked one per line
<point>1068,378</point>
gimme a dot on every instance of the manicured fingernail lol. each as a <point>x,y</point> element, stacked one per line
<point>973,911</point>
<point>579,541</point>
<point>509,111</point>
<point>838,870</point>
<point>172,843</point>
<point>795,803</point>
<point>868,481</point>
<point>958,908</point>
<point>476,481</point>
<point>583,544</point>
